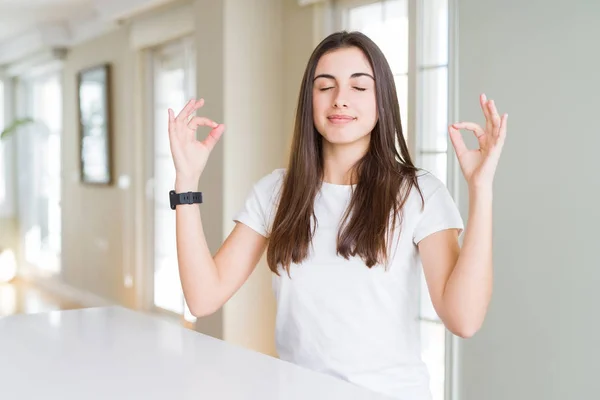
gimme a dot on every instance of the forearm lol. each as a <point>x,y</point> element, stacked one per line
<point>469,288</point>
<point>197,268</point>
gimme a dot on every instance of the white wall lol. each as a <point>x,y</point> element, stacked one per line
<point>210,65</point>
<point>251,57</point>
<point>539,60</point>
<point>253,146</point>
<point>94,218</point>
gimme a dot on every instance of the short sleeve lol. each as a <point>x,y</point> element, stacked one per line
<point>439,213</point>
<point>258,208</point>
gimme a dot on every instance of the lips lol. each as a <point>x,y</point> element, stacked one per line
<point>340,119</point>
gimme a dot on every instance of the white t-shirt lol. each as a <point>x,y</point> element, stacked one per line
<point>339,317</point>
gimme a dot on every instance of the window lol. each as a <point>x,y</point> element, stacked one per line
<point>432,84</point>
<point>3,169</point>
<point>414,36</point>
<point>173,67</point>
<point>386,22</point>
<point>8,197</point>
<point>39,166</point>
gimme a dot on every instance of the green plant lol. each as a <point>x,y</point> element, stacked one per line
<point>14,126</point>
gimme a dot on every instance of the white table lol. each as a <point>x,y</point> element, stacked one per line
<point>116,353</point>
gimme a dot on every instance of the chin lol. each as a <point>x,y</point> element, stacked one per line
<point>340,137</point>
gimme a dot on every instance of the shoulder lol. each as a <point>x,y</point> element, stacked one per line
<point>439,211</point>
<point>431,194</point>
<point>268,188</point>
<point>270,183</point>
<point>429,184</point>
<point>259,207</point>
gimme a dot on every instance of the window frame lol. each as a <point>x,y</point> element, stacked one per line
<point>339,10</point>
<point>8,208</point>
<point>184,45</point>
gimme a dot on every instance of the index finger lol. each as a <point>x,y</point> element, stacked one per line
<point>185,112</point>
<point>494,114</point>
<point>198,104</point>
<point>483,102</point>
<point>470,126</point>
<point>171,120</point>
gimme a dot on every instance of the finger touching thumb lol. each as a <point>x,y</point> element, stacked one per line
<point>457,141</point>
<point>214,136</point>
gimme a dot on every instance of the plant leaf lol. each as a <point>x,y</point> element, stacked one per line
<point>10,129</point>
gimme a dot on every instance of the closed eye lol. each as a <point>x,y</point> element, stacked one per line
<point>355,87</point>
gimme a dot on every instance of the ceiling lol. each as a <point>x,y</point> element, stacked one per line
<point>20,16</point>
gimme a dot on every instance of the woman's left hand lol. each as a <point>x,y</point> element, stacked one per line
<point>479,166</point>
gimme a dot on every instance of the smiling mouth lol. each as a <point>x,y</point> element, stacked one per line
<point>340,119</point>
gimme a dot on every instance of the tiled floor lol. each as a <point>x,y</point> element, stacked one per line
<point>18,297</point>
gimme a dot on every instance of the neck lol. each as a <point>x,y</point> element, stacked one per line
<point>340,159</point>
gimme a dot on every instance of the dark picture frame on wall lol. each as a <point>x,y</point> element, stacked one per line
<point>95,124</point>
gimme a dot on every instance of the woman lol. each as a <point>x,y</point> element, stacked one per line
<point>349,225</point>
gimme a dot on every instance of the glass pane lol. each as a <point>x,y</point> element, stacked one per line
<point>174,69</point>
<point>54,185</point>
<point>167,288</point>
<point>164,234</point>
<point>364,17</point>
<point>436,164</point>
<point>386,23</point>
<point>46,108</point>
<point>1,104</point>
<point>426,307</point>
<point>170,89</point>
<point>402,91</point>
<point>435,32</point>
<point>434,109</point>
<point>394,39</point>
<point>161,127</point>
<point>164,175</point>
<point>43,241</point>
<point>3,172</point>
<point>433,352</point>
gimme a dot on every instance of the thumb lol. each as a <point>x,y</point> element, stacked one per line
<point>213,137</point>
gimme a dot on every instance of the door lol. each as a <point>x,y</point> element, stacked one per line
<point>39,177</point>
<point>173,84</point>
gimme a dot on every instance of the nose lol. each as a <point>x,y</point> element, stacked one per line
<point>340,100</point>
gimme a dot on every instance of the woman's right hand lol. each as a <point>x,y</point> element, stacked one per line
<point>189,154</point>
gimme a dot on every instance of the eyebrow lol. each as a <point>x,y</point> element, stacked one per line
<point>354,75</point>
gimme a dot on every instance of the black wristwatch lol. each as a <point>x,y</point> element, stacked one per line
<point>184,198</point>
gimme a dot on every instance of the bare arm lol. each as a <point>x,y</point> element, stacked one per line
<point>207,282</point>
<point>460,280</point>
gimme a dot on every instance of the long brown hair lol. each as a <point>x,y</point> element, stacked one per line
<point>384,176</point>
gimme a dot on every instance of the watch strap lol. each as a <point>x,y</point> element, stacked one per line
<point>184,198</point>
